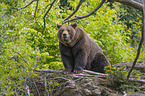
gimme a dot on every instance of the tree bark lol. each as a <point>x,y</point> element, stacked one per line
<point>144,20</point>
<point>131,3</point>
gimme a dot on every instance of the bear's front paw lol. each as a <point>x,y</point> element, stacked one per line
<point>66,71</point>
<point>78,70</point>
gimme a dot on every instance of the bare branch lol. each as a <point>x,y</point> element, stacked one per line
<point>45,85</point>
<point>35,11</point>
<point>44,17</point>
<point>81,17</point>
<point>140,43</point>
<point>36,8</point>
<point>25,7</point>
<point>79,4</point>
<point>138,53</point>
<point>16,90</point>
<point>8,11</point>
<point>21,56</point>
<point>137,80</point>
<point>35,86</point>
<point>57,71</point>
<point>37,62</point>
<point>3,15</point>
<point>47,7</point>
<point>144,22</point>
<point>49,71</point>
<point>28,90</point>
<point>94,73</point>
<point>131,3</point>
<point>28,4</point>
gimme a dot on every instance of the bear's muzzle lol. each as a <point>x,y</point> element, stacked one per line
<point>64,36</point>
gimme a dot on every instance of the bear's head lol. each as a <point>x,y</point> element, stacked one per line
<point>66,33</point>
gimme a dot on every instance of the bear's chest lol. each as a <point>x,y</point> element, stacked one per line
<point>70,52</point>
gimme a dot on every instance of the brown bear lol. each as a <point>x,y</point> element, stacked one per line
<point>78,51</point>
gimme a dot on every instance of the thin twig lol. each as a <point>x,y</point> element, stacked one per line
<point>28,4</point>
<point>144,23</point>
<point>3,15</point>
<point>16,90</point>
<point>94,73</point>
<point>46,8</point>
<point>46,91</point>
<point>35,86</point>
<point>78,6</point>
<point>138,53</point>
<point>49,71</point>
<point>44,17</point>
<point>137,80</point>
<point>28,90</point>
<point>35,10</point>
<point>57,71</point>
<point>89,14</point>
<point>8,11</point>
<point>37,62</point>
<point>21,56</point>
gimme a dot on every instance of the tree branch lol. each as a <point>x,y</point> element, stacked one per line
<point>89,72</point>
<point>35,10</point>
<point>94,73</point>
<point>44,17</point>
<point>57,71</point>
<point>35,86</point>
<point>28,90</point>
<point>137,80</point>
<point>37,62</point>
<point>46,7</point>
<point>9,10</point>
<point>45,86</point>
<point>81,17</point>
<point>28,4</point>
<point>21,56</point>
<point>144,23</point>
<point>49,71</point>
<point>78,6</point>
<point>141,41</point>
<point>131,3</point>
<point>138,53</point>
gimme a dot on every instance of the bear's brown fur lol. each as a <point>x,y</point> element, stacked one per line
<point>78,51</point>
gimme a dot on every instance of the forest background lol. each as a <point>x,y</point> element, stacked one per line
<point>116,28</point>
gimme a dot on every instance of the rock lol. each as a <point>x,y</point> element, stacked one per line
<point>87,83</point>
<point>82,84</point>
<point>77,85</point>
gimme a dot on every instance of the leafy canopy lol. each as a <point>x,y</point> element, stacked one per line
<point>23,46</point>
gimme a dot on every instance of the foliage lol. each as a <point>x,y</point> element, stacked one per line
<point>132,18</point>
<point>117,77</point>
<point>23,46</point>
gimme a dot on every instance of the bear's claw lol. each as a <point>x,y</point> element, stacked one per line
<point>66,72</point>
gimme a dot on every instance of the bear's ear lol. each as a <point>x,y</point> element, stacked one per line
<point>74,25</point>
<point>59,25</point>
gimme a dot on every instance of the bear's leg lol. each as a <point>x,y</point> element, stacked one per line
<point>68,63</point>
<point>80,62</point>
<point>99,62</point>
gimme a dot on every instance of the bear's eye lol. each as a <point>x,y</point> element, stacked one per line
<point>69,33</point>
<point>62,30</point>
<point>68,30</point>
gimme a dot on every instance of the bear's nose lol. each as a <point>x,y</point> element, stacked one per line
<point>64,35</point>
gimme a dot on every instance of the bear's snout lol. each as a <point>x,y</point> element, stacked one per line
<point>64,36</point>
